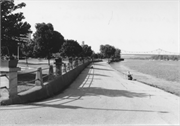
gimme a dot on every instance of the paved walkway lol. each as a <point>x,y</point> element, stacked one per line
<point>99,96</point>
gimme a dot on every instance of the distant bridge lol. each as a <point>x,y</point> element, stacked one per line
<point>153,52</point>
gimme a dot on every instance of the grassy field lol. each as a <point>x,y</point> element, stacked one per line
<point>168,70</point>
<point>28,74</point>
<point>161,74</point>
<point>25,79</point>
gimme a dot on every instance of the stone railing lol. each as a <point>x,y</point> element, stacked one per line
<point>9,88</point>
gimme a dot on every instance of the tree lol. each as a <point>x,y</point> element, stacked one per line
<point>107,50</point>
<point>102,50</point>
<point>87,51</point>
<point>71,48</point>
<point>13,29</point>
<point>117,53</point>
<point>42,38</point>
<point>58,41</point>
<point>47,41</point>
<point>99,56</point>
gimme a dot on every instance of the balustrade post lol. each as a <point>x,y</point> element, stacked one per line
<point>77,62</point>
<point>39,79</point>
<point>68,66</point>
<point>64,68</point>
<point>58,63</point>
<point>9,80</point>
<point>51,73</point>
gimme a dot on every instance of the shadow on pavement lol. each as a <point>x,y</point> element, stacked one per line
<point>103,69</point>
<point>83,79</point>
<point>98,75</point>
<point>59,106</point>
<point>99,64</point>
<point>94,91</point>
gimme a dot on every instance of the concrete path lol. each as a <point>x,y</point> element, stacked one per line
<point>99,96</point>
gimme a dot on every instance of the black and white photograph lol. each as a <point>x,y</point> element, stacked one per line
<point>90,62</point>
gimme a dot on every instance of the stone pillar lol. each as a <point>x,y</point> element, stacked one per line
<point>9,79</point>
<point>58,63</point>
<point>71,63</point>
<point>68,66</point>
<point>82,60</point>
<point>64,68</point>
<point>39,79</point>
<point>51,73</point>
<point>74,64</point>
<point>77,61</point>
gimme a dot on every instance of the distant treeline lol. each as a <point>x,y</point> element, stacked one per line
<point>166,57</point>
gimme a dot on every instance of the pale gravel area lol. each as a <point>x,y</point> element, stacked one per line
<point>99,96</point>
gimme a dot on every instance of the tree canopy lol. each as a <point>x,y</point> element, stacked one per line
<point>110,51</point>
<point>117,53</point>
<point>47,40</point>
<point>71,48</point>
<point>87,51</point>
<point>13,29</point>
<point>107,50</point>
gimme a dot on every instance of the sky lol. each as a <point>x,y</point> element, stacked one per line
<point>130,25</point>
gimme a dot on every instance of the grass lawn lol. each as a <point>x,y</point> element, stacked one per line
<point>168,70</point>
<point>25,79</point>
<point>28,72</point>
<point>162,74</point>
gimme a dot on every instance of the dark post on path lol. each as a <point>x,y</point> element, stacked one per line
<point>58,63</point>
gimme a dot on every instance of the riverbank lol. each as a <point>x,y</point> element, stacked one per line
<point>166,85</point>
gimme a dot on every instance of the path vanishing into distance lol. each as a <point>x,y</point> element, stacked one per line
<point>99,96</point>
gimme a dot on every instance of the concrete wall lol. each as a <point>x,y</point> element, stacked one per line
<point>54,87</point>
